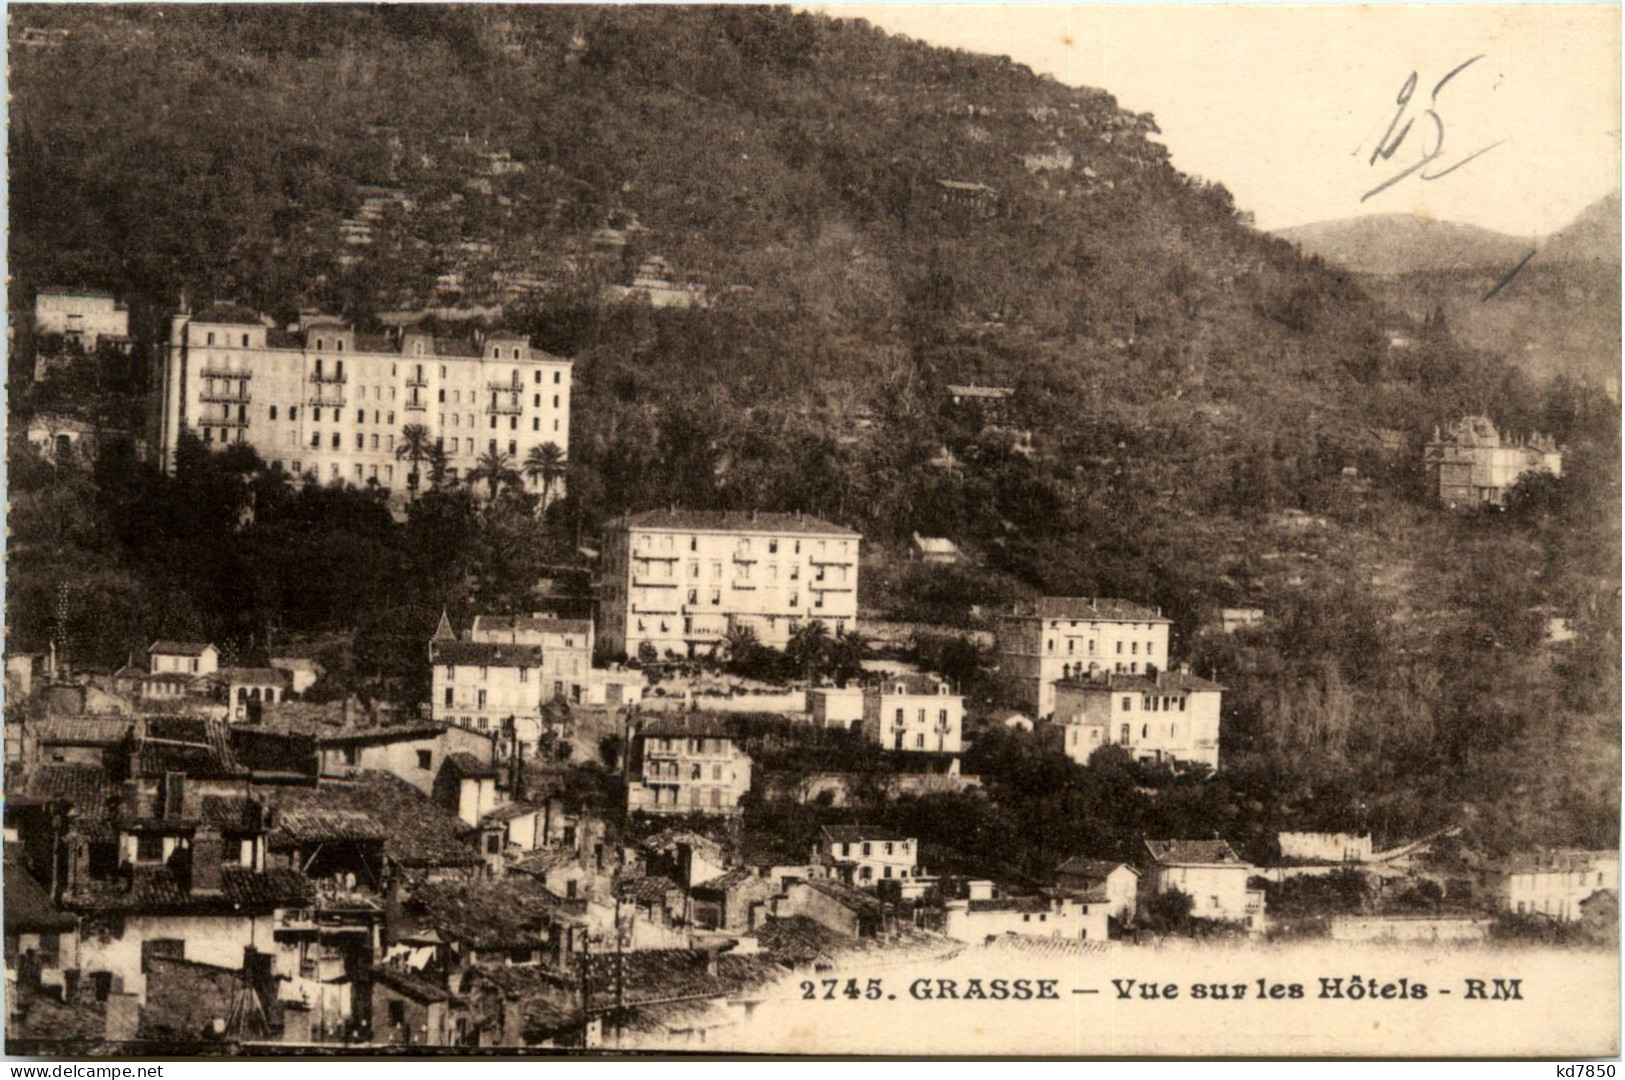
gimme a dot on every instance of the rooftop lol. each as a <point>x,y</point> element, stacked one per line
<point>527,624</point>
<point>733,521</point>
<point>1089,608</point>
<point>509,913</point>
<point>851,834</point>
<point>155,890</point>
<point>1193,853</point>
<point>1092,869</point>
<point>470,766</point>
<point>485,654</point>
<point>180,648</point>
<point>228,314</point>
<point>690,725</point>
<point>420,834</point>
<point>1164,682</point>
<point>409,985</point>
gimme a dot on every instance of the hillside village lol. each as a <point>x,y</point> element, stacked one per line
<point>520,592</point>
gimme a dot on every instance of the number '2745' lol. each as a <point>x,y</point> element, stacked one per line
<point>830,989</point>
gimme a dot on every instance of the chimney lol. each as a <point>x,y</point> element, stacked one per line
<point>206,853</point>
<point>1184,668</point>
<point>174,795</point>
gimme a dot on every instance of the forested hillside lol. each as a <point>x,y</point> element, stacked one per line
<point>1185,378</point>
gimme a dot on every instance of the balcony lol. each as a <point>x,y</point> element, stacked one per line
<point>335,377</point>
<point>512,409</point>
<point>830,560</point>
<point>416,406</point>
<point>654,582</point>
<point>234,397</point>
<point>318,400</point>
<point>224,373</point>
<point>828,586</point>
<point>514,387</point>
<point>419,381</point>
<point>222,421</point>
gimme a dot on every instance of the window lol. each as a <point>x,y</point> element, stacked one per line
<point>919,742</point>
<point>426,757</point>
<point>318,414</point>
<point>360,441</point>
<point>149,849</point>
<point>442,397</point>
<point>535,423</point>
<point>1119,648</point>
<point>397,1013</point>
<point>340,346</point>
<point>1127,704</point>
<point>211,337</point>
<point>448,697</point>
<point>293,412</point>
<point>493,844</point>
<point>866,848</point>
<point>481,701</point>
<point>361,414</point>
<point>273,412</point>
<point>555,378</point>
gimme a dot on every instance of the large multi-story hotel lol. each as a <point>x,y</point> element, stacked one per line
<point>680,579</point>
<point>321,399</point>
<point>1060,637</point>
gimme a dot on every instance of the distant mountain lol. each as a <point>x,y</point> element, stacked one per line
<point>1393,244</point>
<point>1592,237</point>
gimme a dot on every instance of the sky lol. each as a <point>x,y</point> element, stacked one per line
<point>1286,105</point>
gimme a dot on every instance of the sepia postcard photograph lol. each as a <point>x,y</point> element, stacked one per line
<point>912,531</point>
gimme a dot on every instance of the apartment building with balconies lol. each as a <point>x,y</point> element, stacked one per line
<point>913,713</point>
<point>692,763</point>
<point>1170,716</point>
<point>322,399</point>
<point>1060,637</point>
<point>680,580</point>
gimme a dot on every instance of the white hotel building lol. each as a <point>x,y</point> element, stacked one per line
<point>321,399</point>
<point>679,579</point>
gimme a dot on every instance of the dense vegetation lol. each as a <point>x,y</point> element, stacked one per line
<point>1185,380</point>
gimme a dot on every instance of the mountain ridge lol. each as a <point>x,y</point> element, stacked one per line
<point>1394,244</point>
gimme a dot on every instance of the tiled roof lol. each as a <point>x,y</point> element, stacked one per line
<point>692,725</point>
<point>420,833</point>
<point>156,890</point>
<point>230,813</point>
<point>912,682</point>
<point>196,746</point>
<point>1010,903</point>
<point>469,765</point>
<point>231,314</point>
<point>81,730</point>
<point>540,862</point>
<point>1165,682</point>
<point>510,913</point>
<point>846,895</point>
<point>510,811</point>
<point>28,906</point>
<point>409,985</point>
<point>253,676</point>
<point>528,624</point>
<point>179,648</point>
<point>851,834</point>
<point>733,521</point>
<point>646,890</point>
<point>1091,869</point>
<point>485,654</point>
<point>84,786</point>
<point>421,729</point>
<point>1192,852</point>
<point>456,347</point>
<point>1093,609</point>
<point>307,825</point>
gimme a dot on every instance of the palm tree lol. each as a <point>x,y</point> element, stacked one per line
<point>413,447</point>
<point>495,467</point>
<point>808,647</point>
<point>740,643</point>
<point>437,466</point>
<point>544,463</point>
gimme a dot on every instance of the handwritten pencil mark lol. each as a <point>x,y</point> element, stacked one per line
<point>1395,136</point>
<point>1504,282</point>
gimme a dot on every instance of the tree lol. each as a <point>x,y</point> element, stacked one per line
<point>1169,910</point>
<point>414,448</point>
<point>495,467</point>
<point>808,647</point>
<point>438,466</point>
<point>545,463</point>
